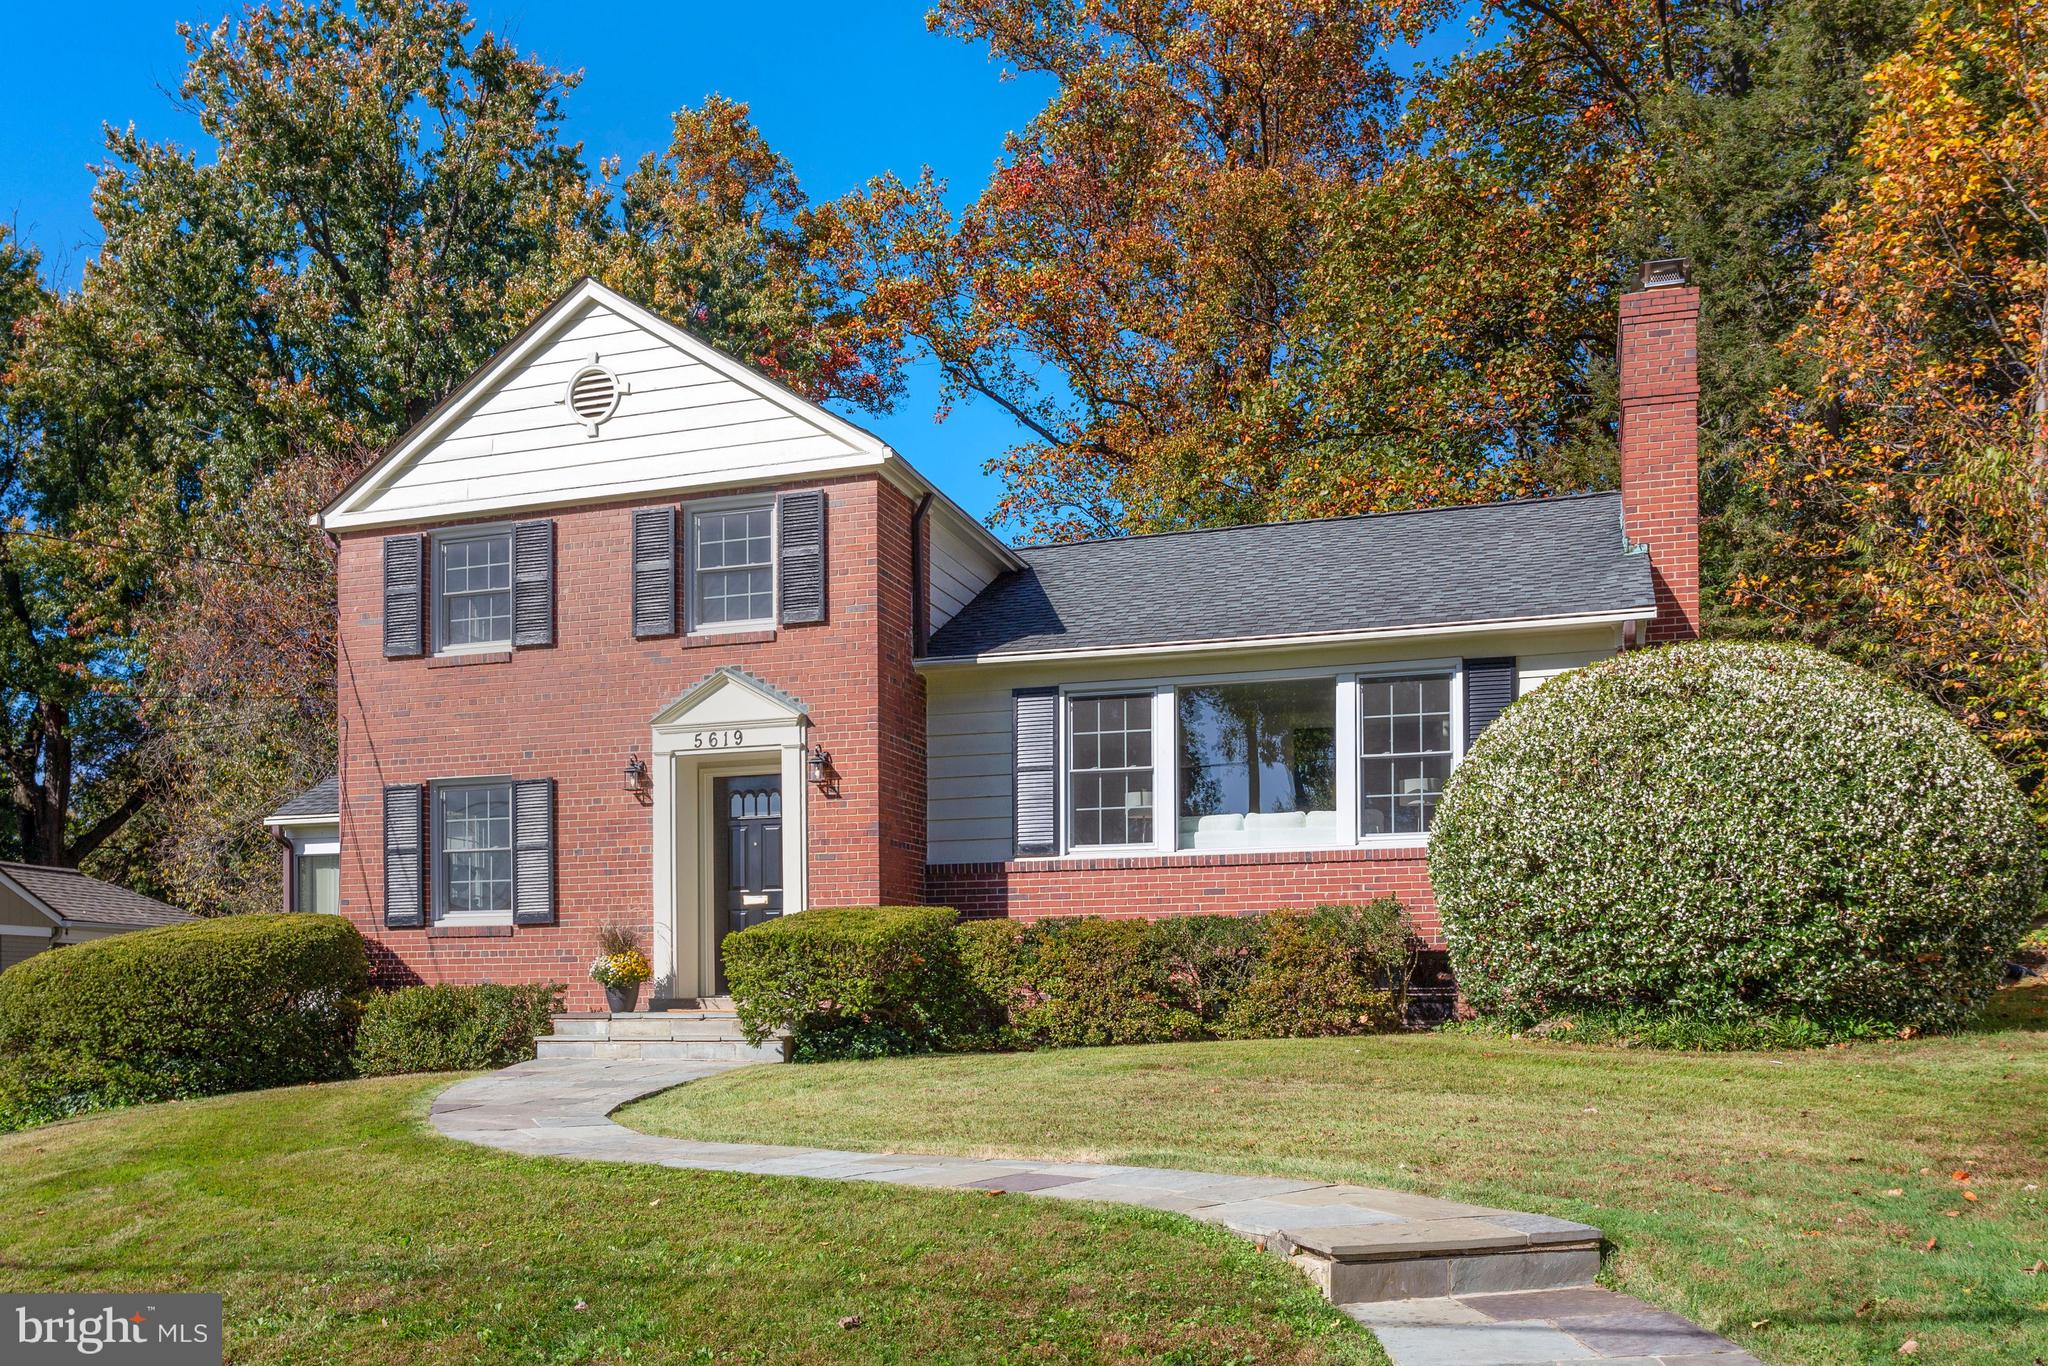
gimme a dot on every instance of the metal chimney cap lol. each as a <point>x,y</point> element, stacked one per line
<point>1666,272</point>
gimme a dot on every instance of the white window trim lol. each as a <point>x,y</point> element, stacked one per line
<point>1353,801</point>
<point>439,603</point>
<point>326,843</point>
<point>1066,776</point>
<point>691,511</point>
<point>437,879</point>
<point>1166,755</point>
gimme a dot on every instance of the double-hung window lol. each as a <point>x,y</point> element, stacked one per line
<point>473,850</point>
<point>473,590</point>
<point>1404,742</point>
<point>732,567</point>
<point>1109,743</point>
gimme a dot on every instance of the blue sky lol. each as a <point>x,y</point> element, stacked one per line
<point>844,91</point>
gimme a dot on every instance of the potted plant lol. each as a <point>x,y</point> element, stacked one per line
<point>620,967</point>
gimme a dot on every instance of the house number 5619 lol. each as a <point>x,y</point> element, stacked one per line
<point>718,739</point>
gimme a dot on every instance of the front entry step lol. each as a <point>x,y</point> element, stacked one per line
<point>1430,1258</point>
<point>673,1035</point>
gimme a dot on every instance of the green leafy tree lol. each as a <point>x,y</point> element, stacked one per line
<point>68,729</point>
<point>390,200</point>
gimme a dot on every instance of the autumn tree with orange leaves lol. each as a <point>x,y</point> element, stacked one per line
<point>1242,267</point>
<point>1911,483</point>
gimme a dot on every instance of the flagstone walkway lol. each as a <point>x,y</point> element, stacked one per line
<point>1476,1312</point>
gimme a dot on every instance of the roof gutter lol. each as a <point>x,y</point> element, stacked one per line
<point>1465,628</point>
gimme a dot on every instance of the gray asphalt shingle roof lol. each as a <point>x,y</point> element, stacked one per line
<point>75,897</point>
<point>1441,567</point>
<point>321,799</point>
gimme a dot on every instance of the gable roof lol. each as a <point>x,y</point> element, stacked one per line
<point>725,676</point>
<point>321,800</point>
<point>1391,573</point>
<point>70,897</point>
<point>692,418</point>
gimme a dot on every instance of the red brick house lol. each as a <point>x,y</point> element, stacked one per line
<point>630,633</point>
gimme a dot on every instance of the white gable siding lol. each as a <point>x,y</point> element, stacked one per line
<point>961,567</point>
<point>681,423</point>
<point>967,725</point>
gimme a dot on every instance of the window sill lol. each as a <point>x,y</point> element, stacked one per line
<point>696,640</point>
<point>474,930</point>
<point>1086,860</point>
<point>464,659</point>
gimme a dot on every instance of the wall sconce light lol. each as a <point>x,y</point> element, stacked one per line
<point>823,775</point>
<point>634,780</point>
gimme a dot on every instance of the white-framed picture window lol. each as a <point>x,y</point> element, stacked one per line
<point>472,831</point>
<point>473,590</point>
<point>1257,763</point>
<point>1406,740</point>
<point>1287,760</point>
<point>1110,770</point>
<point>732,566</point>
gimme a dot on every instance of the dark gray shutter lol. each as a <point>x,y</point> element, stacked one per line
<point>654,571</point>
<point>404,584</point>
<point>800,523</point>
<point>533,583</point>
<point>1489,687</point>
<point>1037,798</point>
<point>405,884</point>
<point>533,852</point>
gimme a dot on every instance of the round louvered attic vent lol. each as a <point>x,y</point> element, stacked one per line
<point>593,394</point>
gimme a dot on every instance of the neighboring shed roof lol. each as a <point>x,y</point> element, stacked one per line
<point>73,897</point>
<point>321,799</point>
<point>1508,561</point>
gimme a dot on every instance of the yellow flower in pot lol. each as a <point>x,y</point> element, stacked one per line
<point>620,967</point>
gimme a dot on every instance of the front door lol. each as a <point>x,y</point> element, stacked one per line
<point>747,882</point>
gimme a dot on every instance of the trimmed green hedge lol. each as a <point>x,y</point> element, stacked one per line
<point>866,982</point>
<point>1732,832</point>
<point>186,1010</point>
<point>851,981</point>
<point>443,1028</point>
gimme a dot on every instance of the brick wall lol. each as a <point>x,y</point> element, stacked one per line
<point>573,711</point>
<point>1029,889</point>
<point>1660,468</point>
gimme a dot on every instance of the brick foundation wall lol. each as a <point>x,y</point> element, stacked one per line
<point>1660,467</point>
<point>574,710</point>
<point>1031,889</point>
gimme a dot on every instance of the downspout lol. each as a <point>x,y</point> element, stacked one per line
<point>920,612</point>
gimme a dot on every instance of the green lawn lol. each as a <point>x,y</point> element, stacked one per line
<point>1787,1200</point>
<point>340,1229</point>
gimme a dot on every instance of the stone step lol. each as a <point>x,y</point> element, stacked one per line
<point>649,1025</point>
<point>733,1049</point>
<point>1429,1258</point>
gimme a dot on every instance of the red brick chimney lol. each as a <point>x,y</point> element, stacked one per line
<point>1660,447</point>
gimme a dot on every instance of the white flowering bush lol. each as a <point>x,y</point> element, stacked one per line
<point>1732,831</point>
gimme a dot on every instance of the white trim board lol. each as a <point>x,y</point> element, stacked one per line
<point>302,822</point>
<point>1021,657</point>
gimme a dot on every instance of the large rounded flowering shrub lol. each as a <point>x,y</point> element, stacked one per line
<point>1728,832</point>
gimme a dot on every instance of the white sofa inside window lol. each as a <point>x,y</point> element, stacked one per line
<point>1259,830</point>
